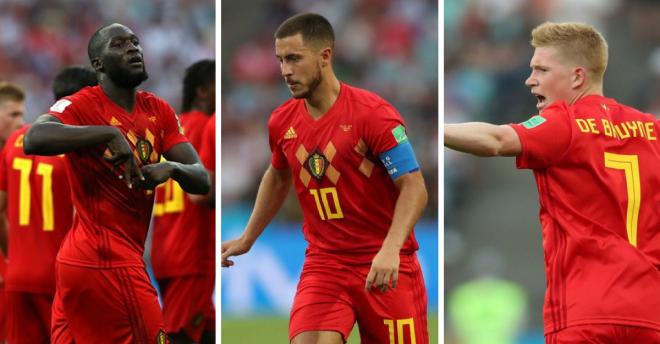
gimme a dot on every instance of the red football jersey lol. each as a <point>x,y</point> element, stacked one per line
<point>39,212</point>
<point>598,176</point>
<point>207,149</point>
<point>182,242</point>
<point>111,220</point>
<point>345,192</point>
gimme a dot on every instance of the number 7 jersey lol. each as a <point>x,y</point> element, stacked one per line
<point>345,192</point>
<point>597,167</point>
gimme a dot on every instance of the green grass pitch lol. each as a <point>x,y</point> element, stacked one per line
<point>274,330</point>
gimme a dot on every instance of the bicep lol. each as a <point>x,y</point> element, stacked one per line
<point>182,153</point>
<point>509,141</point>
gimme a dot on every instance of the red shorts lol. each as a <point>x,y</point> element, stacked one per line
<point>117,305</point>
<point>28,317</point>
<point>188,304</point>
<point>603,334</point>
<point>331,297</point>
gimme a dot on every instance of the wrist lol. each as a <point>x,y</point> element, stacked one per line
<point>391,246</point>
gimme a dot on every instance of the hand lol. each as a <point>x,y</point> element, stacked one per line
<point>122,155</point>
<point>234,247</point>
<point>384,267</point>
<point>155,174</point>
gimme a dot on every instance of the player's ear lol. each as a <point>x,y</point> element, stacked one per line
<point>578,77</point>
<point>97,64</point>
<point>326,55</point>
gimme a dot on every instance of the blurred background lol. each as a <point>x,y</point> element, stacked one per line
<point>40,37</point>
<point>387,46</point>
<point>494,265</point>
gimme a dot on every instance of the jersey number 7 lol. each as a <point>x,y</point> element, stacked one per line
<point>630,166</point>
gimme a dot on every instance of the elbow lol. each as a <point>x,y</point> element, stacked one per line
<point>203,187</point>
<point>31,143</point>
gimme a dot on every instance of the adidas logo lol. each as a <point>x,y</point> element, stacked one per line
<point>114,121</point>
<point>290,134</point>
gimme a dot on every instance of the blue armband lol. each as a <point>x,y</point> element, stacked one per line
<point>399,160</point>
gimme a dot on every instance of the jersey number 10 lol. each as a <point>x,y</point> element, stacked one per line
<point>630,166</point>
<point>322,199</point>
<point>24,166</point>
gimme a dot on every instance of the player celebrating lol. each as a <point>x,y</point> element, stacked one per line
<point>113,137</point>
<point>361,192</point>
<point>182,250</point>
<point>595,164</point>
<point>35,191</point>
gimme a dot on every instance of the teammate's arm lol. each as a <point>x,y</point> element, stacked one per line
<point>483,139</point>
<point>407,210</point>
<point>272,191</point>
<point>49,136</point>
<point>183,166</point>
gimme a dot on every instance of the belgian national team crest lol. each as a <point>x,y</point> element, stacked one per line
<point>316,164</point>
<point>162,338</point>
<point>144,149</point>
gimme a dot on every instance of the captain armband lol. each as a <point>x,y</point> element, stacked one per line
<point>399,160</point>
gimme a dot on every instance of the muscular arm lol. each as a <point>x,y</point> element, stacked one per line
<point>273,189</point>
<point>483,139</point>
<point>209,198</point>
<point>407,210</point>
<point>409,206</point>
<point>186,169</point>
<point>48,136</point>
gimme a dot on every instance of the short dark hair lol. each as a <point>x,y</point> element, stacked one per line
<point>314,28</point>
<point>96,43</point>
<point>11,91</point>
<point>198,74</point>
<point>71,79</point>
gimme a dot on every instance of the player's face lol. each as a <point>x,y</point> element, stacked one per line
<point>11,117</point>
<point>122,58</point>
<point>300,66</point>
<point>551,76</point>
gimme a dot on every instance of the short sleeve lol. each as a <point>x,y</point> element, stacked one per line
<point>544,138</point>
<point>68,110</point>
<point>383,129</point>
<point>172,131</point>
<point>207,148</point>
<point>278,159</point>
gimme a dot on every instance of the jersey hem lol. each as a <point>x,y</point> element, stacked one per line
<point>292,335</point>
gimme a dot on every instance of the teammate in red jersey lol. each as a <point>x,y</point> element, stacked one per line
<point>35,192</point>
<point>361,192</point>
<point>113,137</point>
<point>207,157</point>
<point>12,109</point>
<point>182,249</point>
<point>595,164</point>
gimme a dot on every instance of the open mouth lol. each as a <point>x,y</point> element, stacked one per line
<point>135,61</point>
<point>540,101</point>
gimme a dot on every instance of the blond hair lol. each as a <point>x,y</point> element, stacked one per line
<point>580,43</point>
<point>9,91</point>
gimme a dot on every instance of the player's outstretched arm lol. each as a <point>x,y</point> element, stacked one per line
<point>49,136</point>
<point>409,206</point>
<point>483,139</point>
<point>273,189</point>
<point>183,166</point>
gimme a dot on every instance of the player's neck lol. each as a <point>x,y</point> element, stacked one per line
<point>596,89</point>
<point>124,97</point>
<point>202,106</point>
<point>323,97</point>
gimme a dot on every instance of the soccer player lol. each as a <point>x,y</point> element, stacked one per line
<point>182,249</point>
<point>12,109</point>
<point>35,192</point>
<point>596,166</point>
<point>113,137</point>
<point>358,182</point>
